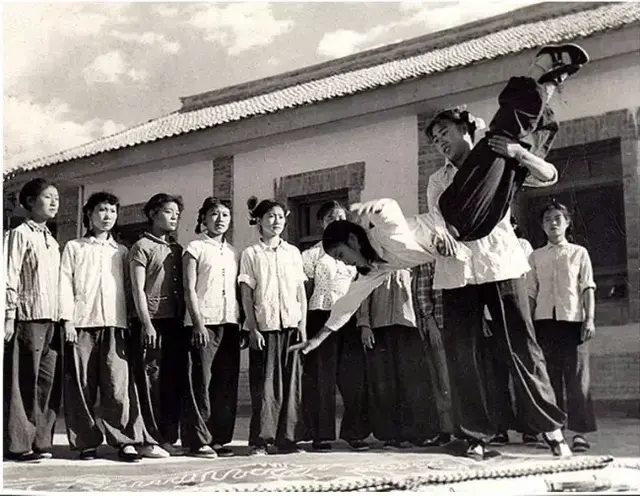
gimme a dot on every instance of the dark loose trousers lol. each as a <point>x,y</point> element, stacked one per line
<point>319,381</point>
<point>400,403</point>
<point>506,406</point>
<point>160,375</point>
<point>568,365</point>
<point>275,381</point>
<point>485,184</point>
<point>98,367</point>
<point>352,384</point>
<point>515,343</point>
<point>211,399</point>
<point>32,387</point>
<point>438,380</point>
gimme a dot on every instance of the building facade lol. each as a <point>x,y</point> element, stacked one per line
<point>353,129</point>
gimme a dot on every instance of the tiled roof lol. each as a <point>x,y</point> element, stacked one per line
<point>507,41</point>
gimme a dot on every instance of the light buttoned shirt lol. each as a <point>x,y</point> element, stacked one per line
<point>559,277</point>
<point>274,275</point>
<point>400,242</point>
<point>331,277</point>
<point>496,257</point>
<point>216,289</point>
<point>32,258</point>
<point>93,287</point>
<point>390,304</point>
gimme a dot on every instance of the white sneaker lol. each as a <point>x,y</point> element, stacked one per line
<point>153,451</point>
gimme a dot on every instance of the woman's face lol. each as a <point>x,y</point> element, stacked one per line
<point>335,214</point>
<point>166,217</point>
<point>104,217</point>
<point>450,141</point>
<point>554,224</point>
<point>349,253</point>
<point>45,205</point>
<point>218,220</point>
<point>273,222</point>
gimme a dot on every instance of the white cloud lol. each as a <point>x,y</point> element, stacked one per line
<point>239,26</point>
<point>149,38</point>
<point>433,17</point>
<point>32,131</point>
<point>110,67</point>
<point>34,33</point>
<point>345,42</point>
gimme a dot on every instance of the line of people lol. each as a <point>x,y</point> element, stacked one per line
<point>118,310</point>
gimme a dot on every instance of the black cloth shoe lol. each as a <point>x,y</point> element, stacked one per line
<point>439,440</point>
<point>558,448</point>
<point>358,445</point>
<point>567,60</point>
<point>580,444</point>
<point>288,448</point>
<point>321,446</point>
<point>129,454</point>
<point>88,454</point>
<point>29,456</point>
<point>500,439</point>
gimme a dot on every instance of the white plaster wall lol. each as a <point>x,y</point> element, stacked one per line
<point>585,96</point>
<point>388,149</point>
<point>193,182</point>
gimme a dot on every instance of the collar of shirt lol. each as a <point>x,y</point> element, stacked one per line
<point>208,239</point>
<point>551,245</point>
<point>169,241</point>
<point>265,247</point>
<point>38,227</point>
<point>109,241</point>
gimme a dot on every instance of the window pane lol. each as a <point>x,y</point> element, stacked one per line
<point>600,159</point>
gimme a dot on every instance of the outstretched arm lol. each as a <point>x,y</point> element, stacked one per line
<point>343,309</point>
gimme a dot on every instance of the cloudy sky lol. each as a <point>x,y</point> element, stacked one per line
<point>75,72</point>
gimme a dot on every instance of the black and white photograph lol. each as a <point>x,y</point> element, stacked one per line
<point>321,246</point>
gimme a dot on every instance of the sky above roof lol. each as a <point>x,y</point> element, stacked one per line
<point>76,72</point>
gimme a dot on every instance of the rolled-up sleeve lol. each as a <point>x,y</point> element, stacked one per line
<point>247,273</point>
<point>15,246</point>
<point>586,271</point>
<point>309,261</point>
<point>67,296</point>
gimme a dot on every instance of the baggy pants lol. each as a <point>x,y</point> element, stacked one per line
<point>211,399</point>
<point>485,184</point>
<point>319,381</point>
<point>275,381</point>
<point>353,385</point>
<point>400,406</point>
<point>506,406</point>
<point>32,387</point>
<point>160,375</point>
<point>568,365</point>
<point>98,366</point>
<point>515,343</point>
<point>438,380</point>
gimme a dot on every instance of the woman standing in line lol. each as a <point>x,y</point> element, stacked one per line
<point>337,362</point>
<point>562,293</point>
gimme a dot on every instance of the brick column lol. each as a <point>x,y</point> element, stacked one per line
<point>223,183</point>
<point>630,148</point>
<point>429,161</point>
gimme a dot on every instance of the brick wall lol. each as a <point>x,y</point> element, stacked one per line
<point>223,183</point>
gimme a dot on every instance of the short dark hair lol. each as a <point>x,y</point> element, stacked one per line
<point>94,200</point>
<point>156,202</point>
<point>208,204</point>
<point>459,116</point>
<point>327,207</point>
<point>258,210</point>
<point>337,233</point>
<point>33,189</point>
<point>564,210</point>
